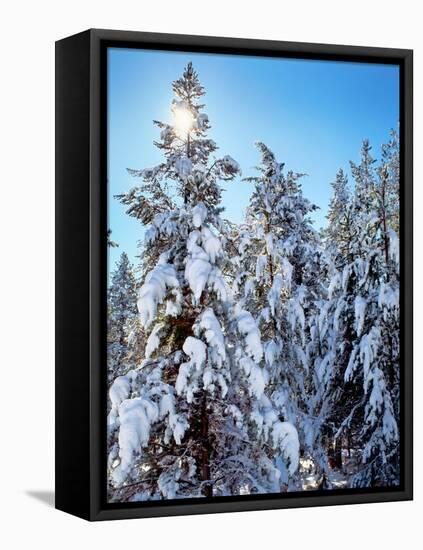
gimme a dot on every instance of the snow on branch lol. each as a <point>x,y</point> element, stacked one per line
<point>210,326</point>
<point>204,248</point>
<point>197,351</point>
<point>136,417</point>
<point>153,291</point>
<point>285,439</point>
<point>199,214</point>
<point>247,327</point>
<point>153,340</point>
<point>230,166</point>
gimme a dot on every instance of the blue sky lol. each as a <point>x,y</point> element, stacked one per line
<point>312,114</point>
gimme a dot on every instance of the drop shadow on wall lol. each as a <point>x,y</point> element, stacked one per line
<point>46,497</point>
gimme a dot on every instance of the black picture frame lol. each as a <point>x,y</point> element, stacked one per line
<point>81,265</point>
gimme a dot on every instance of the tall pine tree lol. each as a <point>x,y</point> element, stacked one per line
<point>122,312</point>
<point>362,338</point>
<point>278,267</point>
<point>181,424</point>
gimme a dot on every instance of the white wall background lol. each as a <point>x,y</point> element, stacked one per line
<point>28,32</point>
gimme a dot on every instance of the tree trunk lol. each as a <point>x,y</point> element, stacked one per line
<point>338,453</point>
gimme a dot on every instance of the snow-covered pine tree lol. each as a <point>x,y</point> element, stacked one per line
<point>376,351</point>
<point>333,329</point>
<point>337,233</point>
<point>390,165</point>
<point>364,336</point>
<point>364,175</point>
<point>278,281</point>
<point>122,312</point>
<point>180,424</point>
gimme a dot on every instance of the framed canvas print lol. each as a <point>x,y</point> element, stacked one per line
<point>233,275</point>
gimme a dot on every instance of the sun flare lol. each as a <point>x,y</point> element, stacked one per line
<point>183,121</point>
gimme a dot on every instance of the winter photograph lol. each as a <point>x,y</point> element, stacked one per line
<point>253,285</point>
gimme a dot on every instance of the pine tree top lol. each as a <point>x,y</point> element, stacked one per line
<point>188,87</point>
